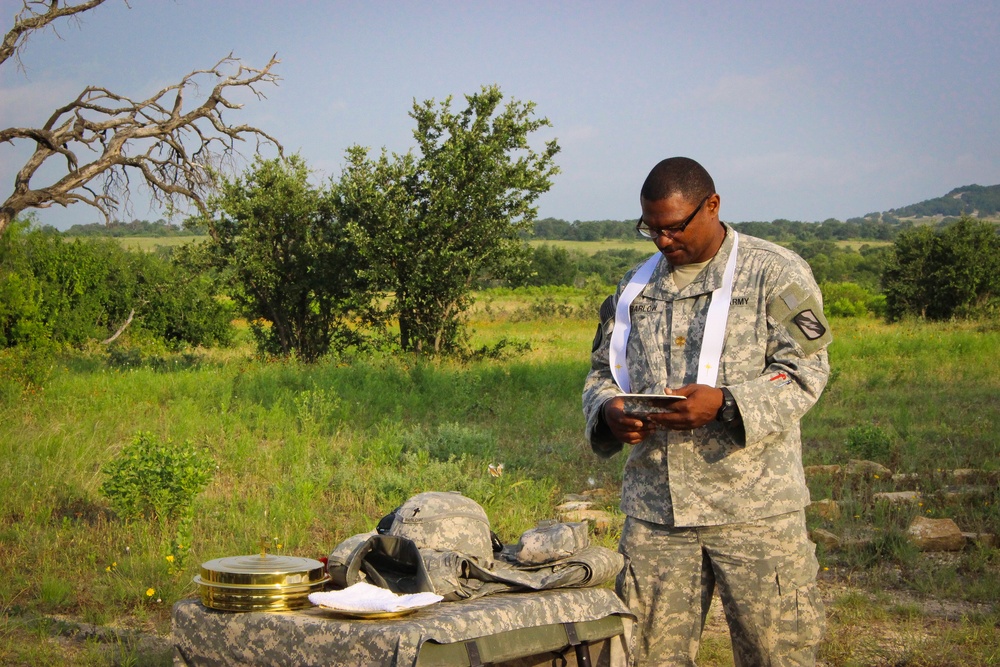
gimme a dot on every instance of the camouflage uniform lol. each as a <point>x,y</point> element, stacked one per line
<point>731,495</point>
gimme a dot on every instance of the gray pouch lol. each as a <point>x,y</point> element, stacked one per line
<point>551,542</point>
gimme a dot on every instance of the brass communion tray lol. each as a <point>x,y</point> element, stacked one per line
<point>260,582</point>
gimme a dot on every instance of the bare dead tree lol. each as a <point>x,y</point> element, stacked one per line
<point>107,139</point>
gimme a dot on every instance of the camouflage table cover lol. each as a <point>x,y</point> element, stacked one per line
<point>206,637</point>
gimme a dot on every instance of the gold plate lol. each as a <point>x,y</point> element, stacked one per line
<point>367,615</point>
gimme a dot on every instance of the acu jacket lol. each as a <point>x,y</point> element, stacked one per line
<point>774,361</point>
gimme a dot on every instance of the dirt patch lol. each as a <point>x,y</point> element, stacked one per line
<point>81,510</point>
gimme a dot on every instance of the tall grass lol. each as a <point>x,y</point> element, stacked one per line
<point>309,455</point>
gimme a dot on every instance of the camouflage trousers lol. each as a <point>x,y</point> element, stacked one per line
<point>766,574</point>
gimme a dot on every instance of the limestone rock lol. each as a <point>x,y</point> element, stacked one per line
<point>985,540</point>
<point>906,480</point>
<point>826,508</point>
<point>898,497</point>
<point>599,520</point>
<point>965,475</point>
<point>575,505</point>
<point>829,541</point>
<point>961,493</point>
<point>936,534</point>
<point>856,468</point>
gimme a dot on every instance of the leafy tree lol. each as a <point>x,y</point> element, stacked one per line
<point>430,225</point>
<point>552,265</point>
<point>295,277</point>
<point>551,229</point>
<point>942,274</point>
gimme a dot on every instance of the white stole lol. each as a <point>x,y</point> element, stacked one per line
<point>715,323</point>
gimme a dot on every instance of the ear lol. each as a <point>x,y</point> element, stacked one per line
<point>714,203</point>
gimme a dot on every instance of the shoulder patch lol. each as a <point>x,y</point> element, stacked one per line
<point>801,314</point>
<point>809,325</point>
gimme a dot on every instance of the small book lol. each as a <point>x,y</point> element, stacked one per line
<point>640,405</point>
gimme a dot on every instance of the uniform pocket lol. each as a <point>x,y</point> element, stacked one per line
<point>800,616</point>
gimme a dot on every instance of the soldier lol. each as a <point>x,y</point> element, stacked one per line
<point>713,490</point>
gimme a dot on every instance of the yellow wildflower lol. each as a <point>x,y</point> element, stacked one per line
<point>170,558</point>
<point>150,592</point>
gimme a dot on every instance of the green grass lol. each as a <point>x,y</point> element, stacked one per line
<point>150,243</point>
<point>592,247</point>
<point>309,455</point>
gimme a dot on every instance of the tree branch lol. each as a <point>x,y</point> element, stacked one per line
<point>121,329</point>
<point>35,15</point>
<point>103,136</point>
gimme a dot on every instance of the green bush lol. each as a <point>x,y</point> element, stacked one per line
<point>24,368</point>
<point>155,480</point>
<point>848,299</point>
<point>869,442</point>
<point>72,292</point>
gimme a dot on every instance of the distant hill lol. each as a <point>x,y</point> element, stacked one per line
<point>976,200</point>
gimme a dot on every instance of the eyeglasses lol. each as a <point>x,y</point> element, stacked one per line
<point>670,231</point>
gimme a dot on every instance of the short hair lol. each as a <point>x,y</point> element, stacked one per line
<point>678,175</point>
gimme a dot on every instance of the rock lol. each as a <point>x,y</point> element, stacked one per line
<point>826,508</point>
<point>960,493</point>
<point>599,520</point>
<point>829,541</point>
<point>812,471</point>
<point>906,480</point>
<point>575,498</point>
<point>856,468</point>
<point>898,497</point>
<point>965,475</point>
<point>575,505</point>
<point>936,534</point>
<point>985,540</point>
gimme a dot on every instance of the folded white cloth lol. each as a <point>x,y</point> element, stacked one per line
<point>363,597</point>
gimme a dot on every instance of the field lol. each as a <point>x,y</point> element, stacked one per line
<point>151,243</point>
<point>309,455</point>
<point>592,247</point>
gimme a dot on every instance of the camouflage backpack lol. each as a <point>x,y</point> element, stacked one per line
<point>442,543</point>
<point>444,521</point>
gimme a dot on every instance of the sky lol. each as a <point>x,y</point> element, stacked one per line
<point>799,110</point>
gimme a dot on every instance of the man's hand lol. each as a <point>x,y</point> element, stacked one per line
<point>625,428</point>
<point>702,405</point>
